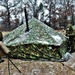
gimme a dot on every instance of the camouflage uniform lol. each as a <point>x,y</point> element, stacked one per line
<point>70,32</point>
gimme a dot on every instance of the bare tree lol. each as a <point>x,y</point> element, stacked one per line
<point>8,5</point>
<point>35,8</point>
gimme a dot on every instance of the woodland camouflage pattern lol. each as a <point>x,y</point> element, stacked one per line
<point>70,33</point>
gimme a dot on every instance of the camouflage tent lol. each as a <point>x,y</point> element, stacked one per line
<point>36,43</point>
<point>39,33</point>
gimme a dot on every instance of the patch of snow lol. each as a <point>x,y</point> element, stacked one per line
<point>38,2</point>
<point>25,1</point>
<point>39,17</point>
<point>2,8</point>
<point>12,17</point>
<point>68,17</point>
<point>57,38</point>
<point>46,12</point>
<point>24,36</point>
<point>67,56</point>
<point>47,20</point>
<point>57,11</point>
<point>0,19</point>
<point>58,5</point>
<point>43,42</point>
<point>50,47</point>
<point>57,16</point>
<point>45,5</point>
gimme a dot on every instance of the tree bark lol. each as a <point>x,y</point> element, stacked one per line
<point>8,26</point>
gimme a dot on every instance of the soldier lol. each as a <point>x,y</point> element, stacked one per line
<point>1,38</point>
<point>70,33</point>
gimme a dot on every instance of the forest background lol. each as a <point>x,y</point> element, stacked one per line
<point>54,13</point>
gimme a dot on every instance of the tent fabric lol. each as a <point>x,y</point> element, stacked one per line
<point>39,33</point>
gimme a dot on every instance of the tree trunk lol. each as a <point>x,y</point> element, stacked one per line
<point>72,21</point>
<point>8,26</point>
